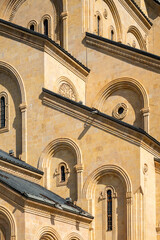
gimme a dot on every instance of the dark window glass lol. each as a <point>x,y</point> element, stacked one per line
<point>63,176</point>
<point>112,35</point>
<point>2,112</point>
<point>45,27</point>
<point>109,210</point>
<point>98,25</point>
<point>32,27</point>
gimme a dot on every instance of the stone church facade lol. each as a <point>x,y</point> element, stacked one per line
<point>79,120</point>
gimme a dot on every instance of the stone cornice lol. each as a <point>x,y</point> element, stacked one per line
<point>42,43</point>
<point>142,58</point>
<point>101,121</point>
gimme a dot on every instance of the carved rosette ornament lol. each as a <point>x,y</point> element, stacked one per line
<point>120,111</point>
<point>67,91</point>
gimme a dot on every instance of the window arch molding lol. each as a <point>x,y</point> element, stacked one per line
<point>10,219</point>
<point>112,37</point>
<point>62,180</point>
<point>48,233</point>
<point>124,83</point>
<point>7,68</point>
<point>34,23</point>
<point>6,112</point>
<point>88,191</point>
<point>73,236</point>
<point>98,24</point>
<point>52,148</point>
<point>135,31</point>
<point>50,25</point>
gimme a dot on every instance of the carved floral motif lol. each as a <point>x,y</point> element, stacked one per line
<point>67,91</point>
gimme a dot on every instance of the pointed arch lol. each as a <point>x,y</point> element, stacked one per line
<point>138,36</point>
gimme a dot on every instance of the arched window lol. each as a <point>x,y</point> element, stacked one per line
<point>32,27</point>
<point>63,174</point>
<point>45,23</point>
<point>109,210</point>
<point>112,34</point>
<point>2,112</point>
<point>98,25</point>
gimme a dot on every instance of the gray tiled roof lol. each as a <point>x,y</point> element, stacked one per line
<point>38,193</point>
<point>15,161</point>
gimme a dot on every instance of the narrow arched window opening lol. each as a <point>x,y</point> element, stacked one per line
<point>2,112</point>
<point>32,27</point>
<point>63,175</point>
<point>98,25</point>
<point>109,210</point>
<point>45,22</point>
<point>112,35</point>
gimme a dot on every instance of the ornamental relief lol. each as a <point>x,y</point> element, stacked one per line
<point>67,91</point>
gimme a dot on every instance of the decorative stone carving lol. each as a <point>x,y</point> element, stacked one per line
<point>145,169</point>
<point>134,44</point>
<point>120,111</point>
<point>105,14</point>
<point>67,91</point>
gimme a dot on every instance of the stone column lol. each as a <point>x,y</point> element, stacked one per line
<point>23,109</point>
<point>79,170</point>
<point>64,19</point>
<point>129,215</point>
<point>145,113</point>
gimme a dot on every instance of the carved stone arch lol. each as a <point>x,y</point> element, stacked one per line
<point>34,23</point>
<point>125,83</point>
<point>55,146</point>
<point>6,213</point>
<point>10,7</point>
<point>73,236</point>
<point>64,79</point>
<point>7,68</point>
<point>116,18</point>
<point>98,14</point>
<point>90,186</point>
<point>48,233</point>
<point>135,31</point>
<point>50,25</point>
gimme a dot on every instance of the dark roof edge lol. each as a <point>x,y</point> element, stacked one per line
<point>147,54</point>
<point>35,170</point>
<point>156,1</point>
<point>42,202</point>
<point>46,38</point>
<point>139,130</point>
<point>144,15</point>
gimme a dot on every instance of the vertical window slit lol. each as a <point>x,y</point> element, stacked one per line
<point>32,27</point>
<point>63,176</point>
<point>109,210</point>
<point>45,27</point>
<point>98,25</point>
<point>2,112</point>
